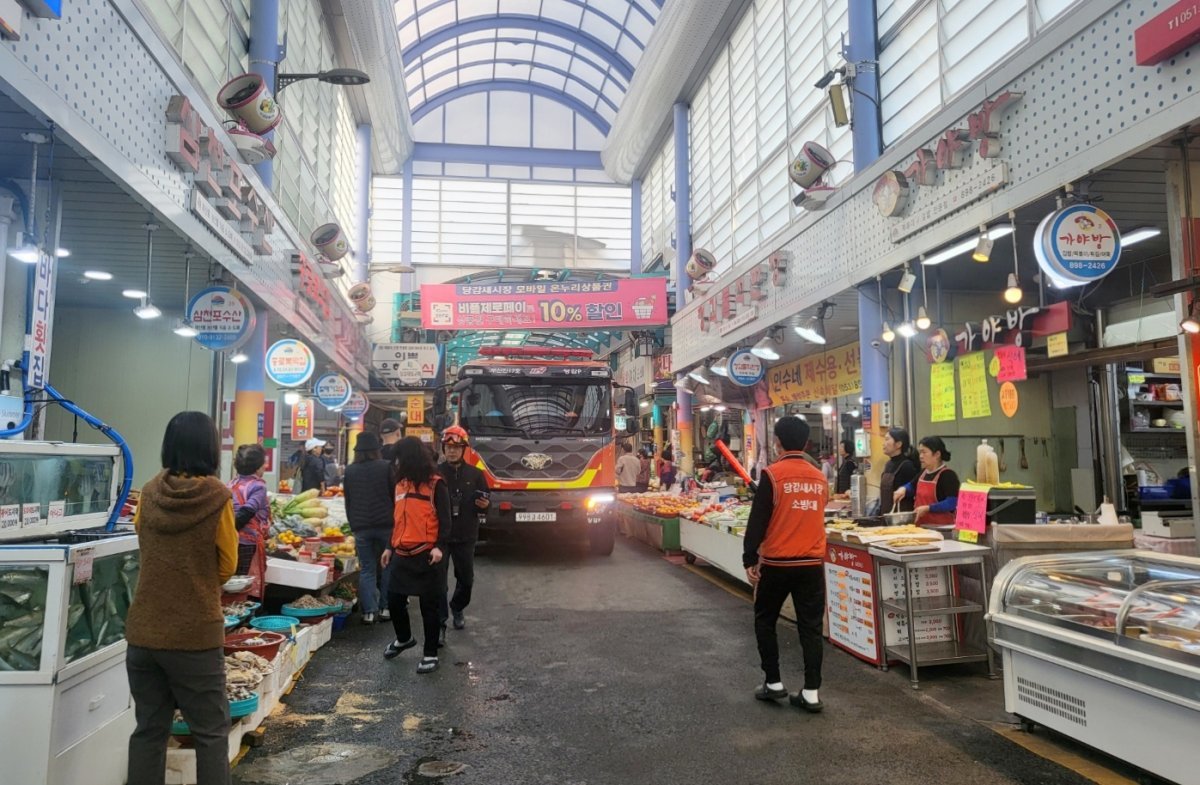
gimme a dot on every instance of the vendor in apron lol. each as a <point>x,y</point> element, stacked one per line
<point>935,491</point>
<point>900,470</point>
<point>252,514</point>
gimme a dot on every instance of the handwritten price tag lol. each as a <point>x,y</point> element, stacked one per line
<point>31,515</point>
<point>83,565</point>
<point>10,516</point>
<point>972,510</point>
<point>966,536</point>
<point>56,513</point>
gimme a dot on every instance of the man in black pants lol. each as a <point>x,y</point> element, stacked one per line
<point>784,554</point>
<point>468,498</point>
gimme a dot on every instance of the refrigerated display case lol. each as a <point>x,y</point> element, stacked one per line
<point>47,488</point>
<point>1105,647</point>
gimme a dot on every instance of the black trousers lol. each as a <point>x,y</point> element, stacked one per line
<point>430,620</point>
<point>195,682</point>
<point>806,585</point>
<point>462,556</point>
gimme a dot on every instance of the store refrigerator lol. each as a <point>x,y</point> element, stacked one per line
<point>1104,647</point>
<point>65,588</point>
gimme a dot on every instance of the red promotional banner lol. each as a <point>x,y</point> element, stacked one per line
<point>1012,364</point>
<point>971,514</point>
<point>556,305</point>
<point>302,419</point>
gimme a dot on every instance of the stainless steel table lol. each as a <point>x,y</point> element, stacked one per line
<point>950,554</point>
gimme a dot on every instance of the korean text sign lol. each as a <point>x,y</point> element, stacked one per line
<point>971,513</point>
<point>627,302</point>
<point>827,374</point>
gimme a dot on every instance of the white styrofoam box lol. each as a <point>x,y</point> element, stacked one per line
<point>296,574</point>
<point>1155,525</point>
<point>322,633</point>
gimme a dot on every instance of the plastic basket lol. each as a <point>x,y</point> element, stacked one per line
<point>339,621</point>
<point>232,621</point>
<point>237,710</point>
<point>236,643</point>
<point>284,624</point>
<point>308,613</point>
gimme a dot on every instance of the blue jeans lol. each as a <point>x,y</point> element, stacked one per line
<point>370,545</point>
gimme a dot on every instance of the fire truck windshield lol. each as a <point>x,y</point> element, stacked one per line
<point>500,408</point>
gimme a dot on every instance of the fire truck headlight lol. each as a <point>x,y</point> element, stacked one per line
<point>598,500</point>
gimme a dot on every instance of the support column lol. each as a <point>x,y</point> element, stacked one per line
<point>1183,222</point>
<point>249,394</point>
<point>265,55</point>
<point>362,257</point>
<point>635,223</point>
<point>407,280</point>
<point>863,49</point>
<point>683,251</point>
<point>656,421</point>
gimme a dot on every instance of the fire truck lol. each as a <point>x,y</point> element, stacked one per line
<point>543,427</point>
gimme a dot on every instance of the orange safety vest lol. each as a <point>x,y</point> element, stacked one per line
<point>796,531</point>
<point>415,518</point>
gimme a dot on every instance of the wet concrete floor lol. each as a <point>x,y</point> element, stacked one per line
<point>581,670</point>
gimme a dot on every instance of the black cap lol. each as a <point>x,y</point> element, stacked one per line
<point>389,426</point>
<point>367,442</point>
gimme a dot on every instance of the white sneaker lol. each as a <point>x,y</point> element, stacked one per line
<point>385,615</point>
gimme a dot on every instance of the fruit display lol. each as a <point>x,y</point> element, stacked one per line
<point>332,491</point>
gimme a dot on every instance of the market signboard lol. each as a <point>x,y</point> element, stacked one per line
<point>545,305</point>
<point>408,364</point>
<point>332,390</point>
<point>41,321</point>
<point>828,374</point>
<point>745,368</point>
<point>303,413</point>
<point>290,363</point>
<point>634,372</point>
<point>1077,245</point>
<point>223,318</point>
<point>356,407</point>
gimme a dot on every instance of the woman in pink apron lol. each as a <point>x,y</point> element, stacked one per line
<point>935,491</point>
<point>252,514</point>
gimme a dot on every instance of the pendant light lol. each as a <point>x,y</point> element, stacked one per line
<point>147,309</point>
<point>184,328</point>
<point>765,348</point>
<point>887,335</point>
<point>983,248</point>
<point>923,320</point>
<point>697,374</point>
<point>1191,324</point>
<point>720,366</point>
<point>291,397</point>
<point>1013,293</point>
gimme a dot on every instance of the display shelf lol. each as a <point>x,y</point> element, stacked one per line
<point>1179,431</point>
<point>1156,404</point>
<point>934,606</point>
<point>938,653</point>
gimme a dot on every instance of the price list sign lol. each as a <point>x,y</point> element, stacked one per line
<point>972,375</point>
<point>927,582</point>
<point>850,601</point>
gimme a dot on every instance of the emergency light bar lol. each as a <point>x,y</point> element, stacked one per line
<point>535,353</point>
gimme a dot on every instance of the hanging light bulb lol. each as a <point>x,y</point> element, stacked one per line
<point>720,407</point>
<point>1191,324</point>
<point>888,335</point>
<point>906,329</point>
<point>184,328</point>
<point>147,310</point>
<point>826,407</point>
<point>239,358</point>
<point>983,248</point>
<point>1013,293</point>
<point>923,320</point>
<point>291,397</point>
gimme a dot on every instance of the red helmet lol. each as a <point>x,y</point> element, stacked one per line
<point>454,435</point>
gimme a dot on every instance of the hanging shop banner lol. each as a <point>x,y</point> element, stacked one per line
<point>302,419</point>
<point>828,374</point>
<point>290,363</point>
<point>1166,35</point>
<point>942,398</point>
<point>634,372</point>
<point>408,364</point>
<point>356,407</point>
<point>745,369</point>
<point>533,305</point>
<point>41,321</point>
<point>332,390</point>
<point>1012,364</point>
<point>416,410</point>
<point>1010,401</point>
<point>971,514</point>
<point>972,376</point>
<point>223,318</point>
<point>1077,245</point>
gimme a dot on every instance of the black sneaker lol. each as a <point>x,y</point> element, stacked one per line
<point>395,647</point>
<point>765,693</point>
<point>798,701</point>
<point>459,622</point>
<point>441,637</point>
<point>427,665</point>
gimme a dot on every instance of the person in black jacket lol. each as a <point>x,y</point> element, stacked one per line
<point>369,503</point>
<point>390,432</point>
<point>468,498</point>
<point>848,467</point>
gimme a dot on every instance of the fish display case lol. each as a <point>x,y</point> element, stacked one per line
<point>66,584</point>
<point>1105,647</point>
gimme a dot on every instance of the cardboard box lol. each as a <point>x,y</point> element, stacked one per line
<point>1165,365</point>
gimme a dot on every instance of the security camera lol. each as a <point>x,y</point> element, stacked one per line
<point>875,344</point>
<point>824,81</point>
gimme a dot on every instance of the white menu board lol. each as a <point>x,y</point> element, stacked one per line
<point>850,601</point>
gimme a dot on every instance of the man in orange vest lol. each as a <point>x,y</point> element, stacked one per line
<point>784,554</point>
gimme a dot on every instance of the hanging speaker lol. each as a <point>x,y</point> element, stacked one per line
<point>330,241</point>
<point>247,98</point>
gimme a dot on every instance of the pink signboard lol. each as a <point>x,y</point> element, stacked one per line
<point>971,514</point>
<point>1012,364</point>
<point>556,305</point>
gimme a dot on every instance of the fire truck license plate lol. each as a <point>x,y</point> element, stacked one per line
<point>535,516</point>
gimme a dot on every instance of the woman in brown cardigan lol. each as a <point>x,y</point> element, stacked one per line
<point>175,629</point>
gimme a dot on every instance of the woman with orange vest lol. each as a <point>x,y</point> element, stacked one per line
<point>420,536</point>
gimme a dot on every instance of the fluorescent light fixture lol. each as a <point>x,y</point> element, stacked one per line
<point>923,320</point>
<point>239,357</point>
<point>720,407</point>
<point>705,408</point>
<point>1013,293</point>
<point>26,252</point>
<point>697,374</point>
<point>644,404</point>
<point>765,349</point>
<point>906,329</point>
<point>958,249</point>
<point>147,310</point>
<point>134,294</point>
<point>1138,235</point>
<point>888,335</point>
<point>854,412</point>
<point>61,253</point>
<point>291,397</point>
<point>720,366</point>
<point>185,330</point>
<point>97,275</point>
<point>812,331</point>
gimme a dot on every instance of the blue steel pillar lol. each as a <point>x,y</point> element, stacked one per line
<point>683,251</point>
<point>361,249</point>
<point>406,230</point>
<point>874,363</point>
<point>863,47</point>
<point>247,426</point>
<point>265,55</point>
<point>635,223</point>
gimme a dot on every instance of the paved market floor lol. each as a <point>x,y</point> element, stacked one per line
<point>576,669</point>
